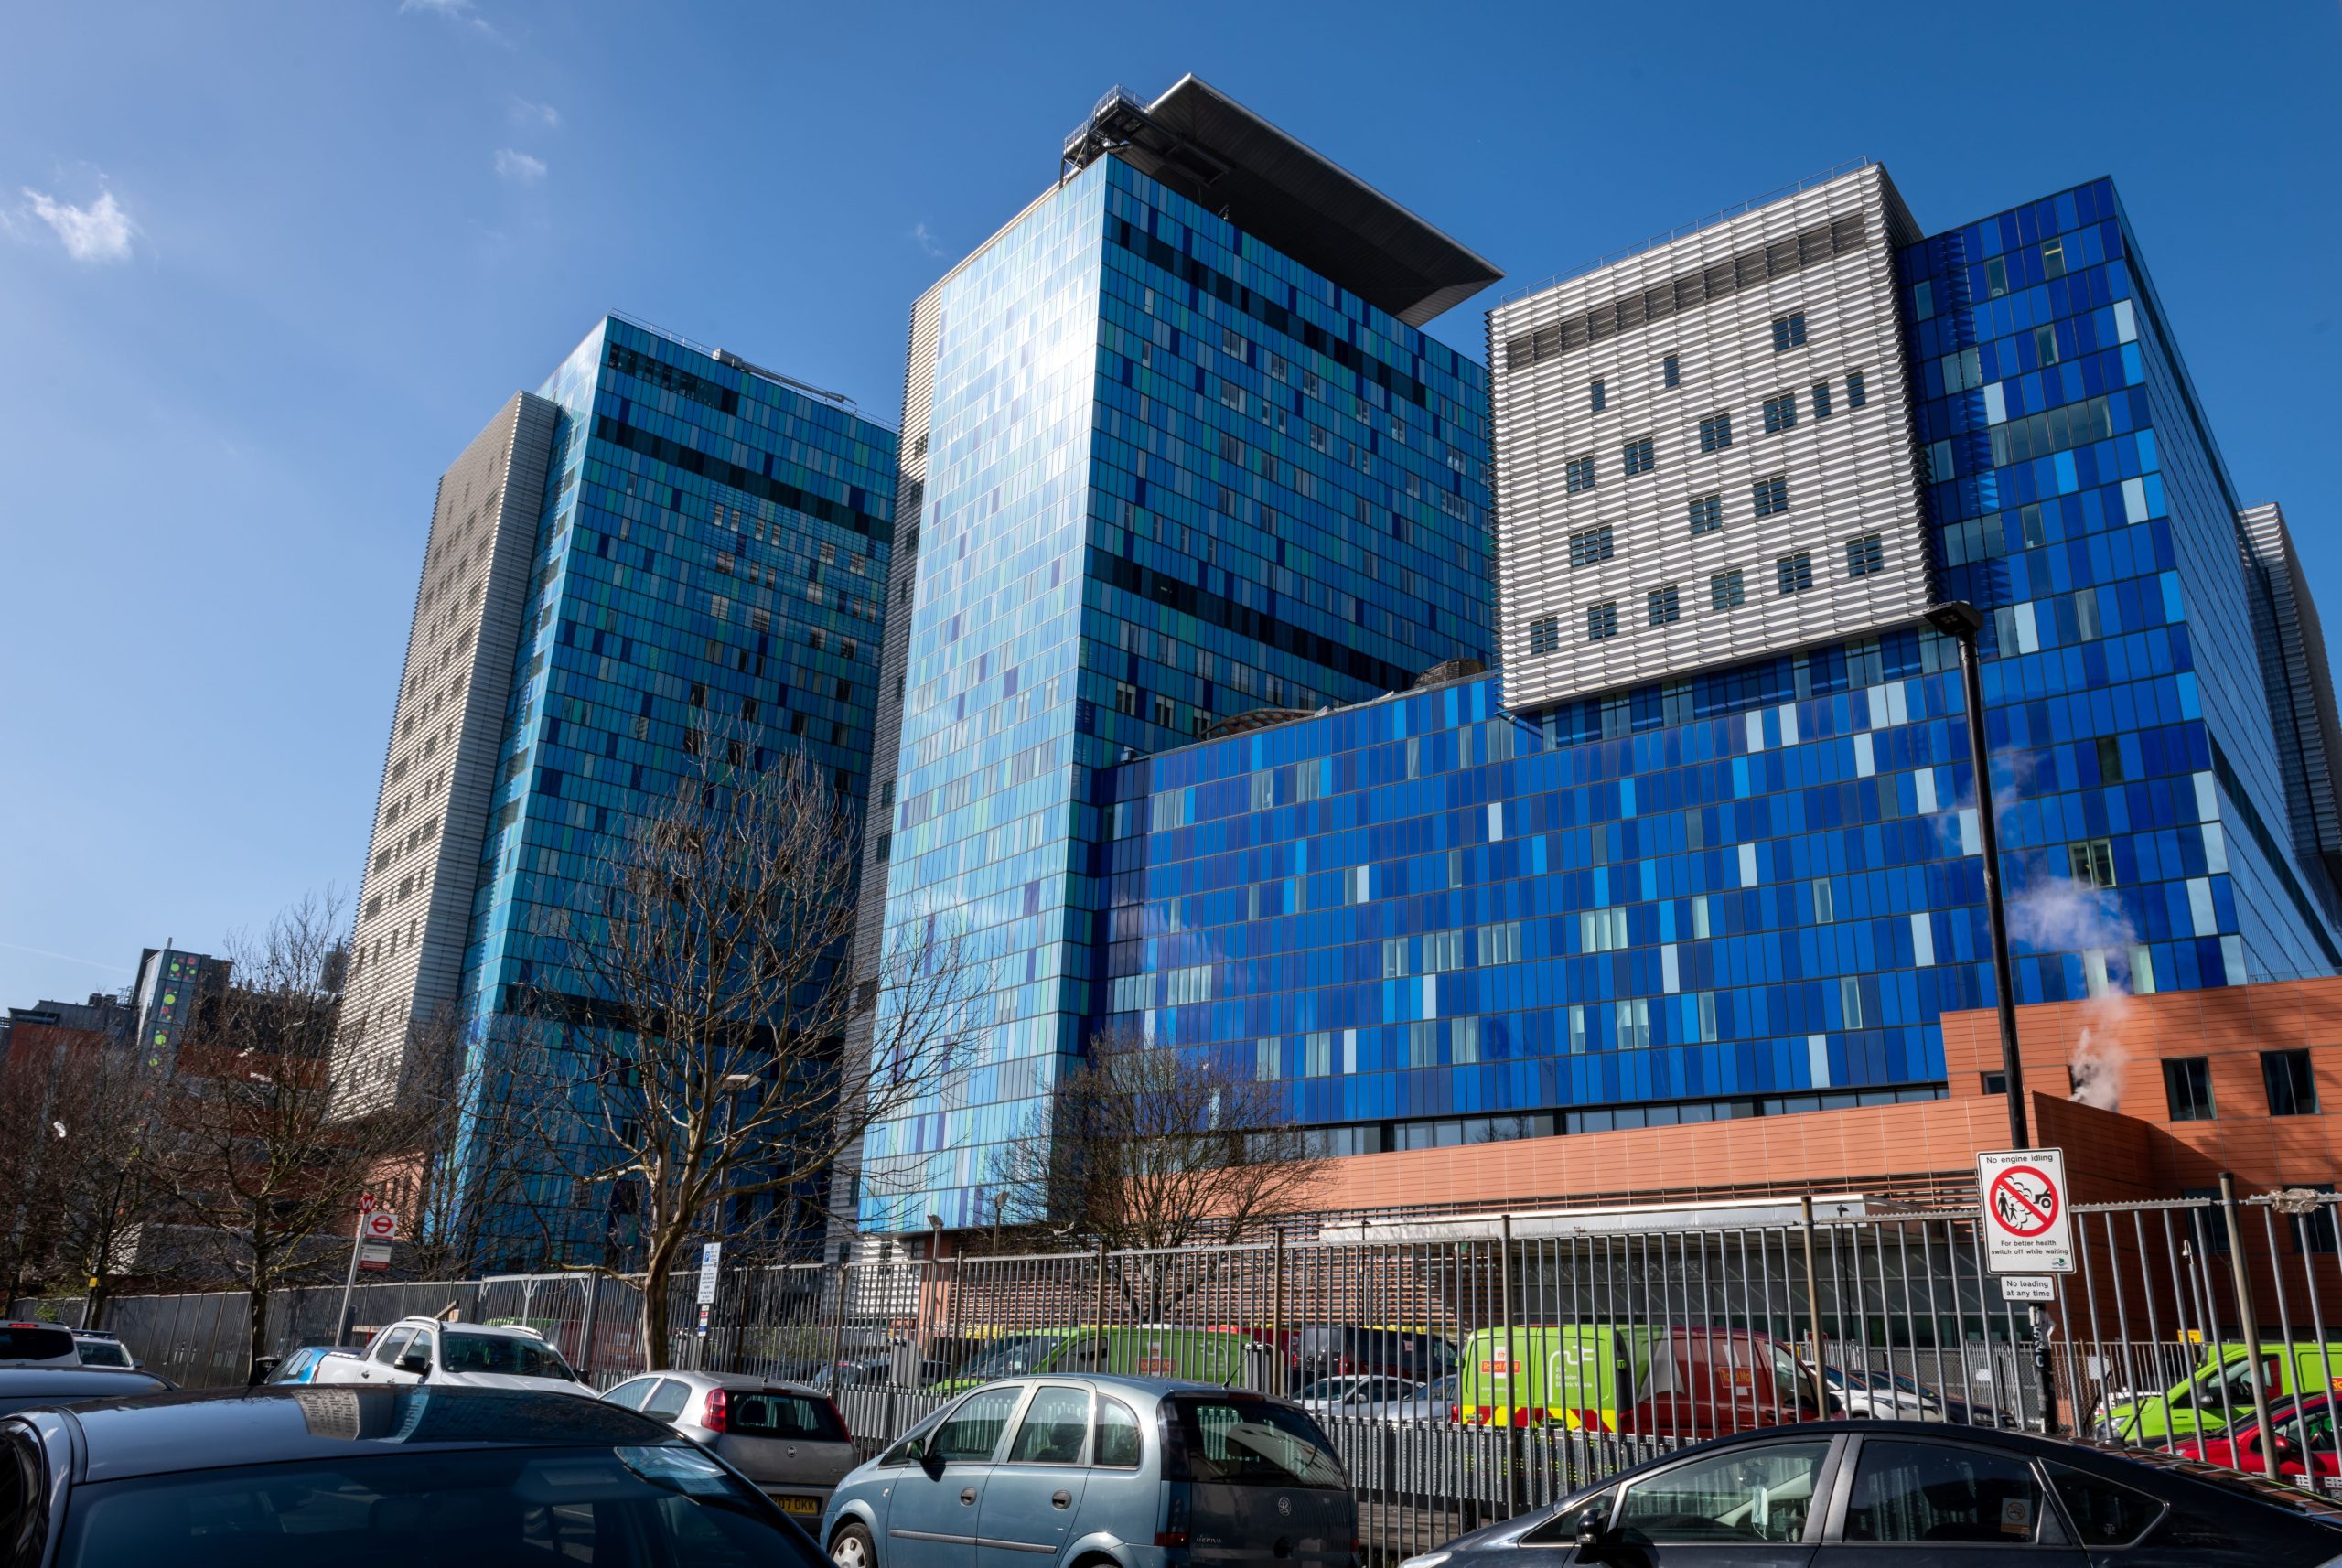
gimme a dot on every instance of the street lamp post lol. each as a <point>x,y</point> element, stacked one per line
<point>1960,621</point>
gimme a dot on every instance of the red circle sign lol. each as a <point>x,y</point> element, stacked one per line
<point>2022,1201</point>
<point>380,1225</point>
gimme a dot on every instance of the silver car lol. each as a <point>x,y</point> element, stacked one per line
<point>787,1438</point>
<point>1135,1472</point>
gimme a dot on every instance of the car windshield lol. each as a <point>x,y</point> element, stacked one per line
<point>1015,1355</point>
<point>33,1342</point>
<point>1329,1387</point>
<point>635,1506</point>
<point>512,1354</point>
<point>1250,1441</point>
<point>759,1414</point>
<point>102,1352</point>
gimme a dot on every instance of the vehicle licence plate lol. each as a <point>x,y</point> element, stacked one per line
<point>810,1506</point>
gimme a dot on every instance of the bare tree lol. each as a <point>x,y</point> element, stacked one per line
<point>707,1056</point>
<point>78,1118</point>
<point>260,1170</point>
<point>1156,1150</point>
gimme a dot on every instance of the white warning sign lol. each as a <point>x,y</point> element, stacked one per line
<point>2027,1228</point>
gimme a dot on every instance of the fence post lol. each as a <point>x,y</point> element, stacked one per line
<point>1516,1491</point>
<point>592,1301</point>
<point>1813,1305</point>
<point>1283,1383</point>
<point>837,1333</point>
<point>2247,1325</point>
<point>1098,1321</point>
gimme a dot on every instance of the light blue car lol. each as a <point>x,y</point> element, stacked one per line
<point>1099,1472</point>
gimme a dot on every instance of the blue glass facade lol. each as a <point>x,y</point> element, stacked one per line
<point>1171,475</point>
<point>1755,888</point>
<point>708,571</point>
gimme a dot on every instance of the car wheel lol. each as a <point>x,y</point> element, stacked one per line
<point>850,1548</point>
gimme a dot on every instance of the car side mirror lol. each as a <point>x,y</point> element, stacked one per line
<point>263,1366</point>
<point>1592,1536</point>
<point>414,1361</point>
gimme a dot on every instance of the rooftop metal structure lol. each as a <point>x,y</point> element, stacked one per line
<point>1219,153</point>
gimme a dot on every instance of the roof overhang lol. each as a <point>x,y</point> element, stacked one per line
<point>1219,153</point>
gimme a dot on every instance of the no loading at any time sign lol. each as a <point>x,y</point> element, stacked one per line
<point>2027,1228</point>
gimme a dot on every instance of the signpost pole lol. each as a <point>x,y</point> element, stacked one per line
<point>349,1280</point>
<point>2246,1328</point>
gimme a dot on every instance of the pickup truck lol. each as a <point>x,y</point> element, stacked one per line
<point>452,1355</point>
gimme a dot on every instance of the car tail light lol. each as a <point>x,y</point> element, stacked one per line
<point>718,1415</point>
<point>1454,1412</point>
<point>844,1433</point>
<point>1175,1520</point>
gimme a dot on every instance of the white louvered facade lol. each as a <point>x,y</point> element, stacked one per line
<point>1711,299</point>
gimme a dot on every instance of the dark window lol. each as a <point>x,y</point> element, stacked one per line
<point>2044,344</point>
<point>1602,620</point>
<point>1996,277</point>
<point>1780,414</point>
<point>1822,400</point>
<point>2293,1086</point>
<point>2092,861</point>
<point>1770,495</point>
<point>1724,589</point>
<point>1934,1492</point>
<point>1789,332</point>
<point>1544,634</point>
<point>1670,374</point>
<point>1589,546</point>
<point>1581,474</point>
<point>1053,1430</point>
<point>2187,1087</point>
<point>2053,257</point>
<point>974,1430</point>
<point>1716,433</point>
<point>1856,393</point>
<point>1232,1440</point>
<point>2104,1512</point>
<point>1796,572</point>
<point>1598,396</point>
<point>698,695</point>
<point>1750,1494</point>
<point>1664,606</point>
<point>1996,1083</point>
<point>1866,554</point>
<point>2110,760</point>
<point>1707,513</point>
<point>1638,456</point>
<point>1119,1444</point>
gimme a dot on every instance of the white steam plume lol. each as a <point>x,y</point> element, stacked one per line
<point>2060,915</point>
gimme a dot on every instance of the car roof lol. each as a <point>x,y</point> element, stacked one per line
<point>158,1434</point>
<point>512,1330</point>
<point>76,1381</point>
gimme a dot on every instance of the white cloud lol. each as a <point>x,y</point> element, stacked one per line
<point>98,233</point>
<point>543,115</point>
<point>452,10</point>
<point>925,241</point>
<point>519,168</point>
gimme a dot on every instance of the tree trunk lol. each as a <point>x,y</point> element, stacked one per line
<point>256,1312</point>
<point>658,1268</point>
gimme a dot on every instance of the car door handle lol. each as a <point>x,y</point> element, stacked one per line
<point>1061,1499</point>
<point>968,1497</point>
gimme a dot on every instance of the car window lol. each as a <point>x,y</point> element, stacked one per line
<point>973,1431</point>
<point>1250,1441</point>
<point>514,1355</point>
<point>668,1401</point>
<point>630,1393</point>
<point>2105,1513</point>
<point>1119,1444</point>
<point>33,1342</point>
<point>798,1417</point>
<point>1053,1429</point>
<point>900,1453</point>
<point>102,1352</point>
<point>599,1507</point>
<point>1932,1491</point>
<point>391,1345</point>
<point>1757,1493</point>
<point>421,1346</point>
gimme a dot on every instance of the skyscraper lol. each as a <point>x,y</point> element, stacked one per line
<point>1175,449</point>
<point>663,546</point>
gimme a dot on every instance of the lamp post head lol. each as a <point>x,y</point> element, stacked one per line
<point>1956,617</point>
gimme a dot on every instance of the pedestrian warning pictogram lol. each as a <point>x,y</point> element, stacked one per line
<point>2026,1226</point>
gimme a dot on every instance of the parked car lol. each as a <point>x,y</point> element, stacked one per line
<point>22,1387</point>
<point>1122,1470</point>
<point>1860,1494</point>
<point>1204,1355</point>
<point>1356,1398</point>
<point>789,1440</point>
<point>1649,1379</point>
<point>430,1474</point>
<point>2305,1444</point>
<point>1867,1392</point>
<point>298,1365</point>
<point>2221,1389</point>
<point>37,1345</point>
<point>97,1348</point>
<point>1333,1351</point>
<point>466,1355</point>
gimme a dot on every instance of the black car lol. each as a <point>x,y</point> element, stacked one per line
<point>21,1388</point>
<point>365,1477</point>
<point>1337,1350</point>
<point>1868,1494</point>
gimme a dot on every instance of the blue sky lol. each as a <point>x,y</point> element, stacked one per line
<point>264,269</point>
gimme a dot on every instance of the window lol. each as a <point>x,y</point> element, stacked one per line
<point>1716,433</point>
<point>1865,553</point>
<point>2105,1513</point>
<point>1544,634</point>
<point>1770,495</point>
<point>2044,344</point>
<point>1822,400</point>
<point>1665,606</point>
<point>386,1350</point>
<point>973,1431</point>
<point>1589,546</point>
<point>2092,861</point>
<point>2053,257</point>
<point>1707,514</point>
<point>1856,393</point>
<point>1796,572</point>
<point>1725,591</point>
<point>1780,414</point>
<point>2293,1086</point>
<point>1598,396</point>
<point>1580,475</point>
<point>1119,1446</point>
<point>1748,1494</point>
<point>1602,620</point>
<point>1789,331</point>
<point>1670,374</point>
<point>2110,760</point>
<point>2188,1088</point>
<point>1053,1429</point>
<point>1637,457</point>
<point>1937,1493</point>
<point>667,1402</point>
<point>1996,277</point>
<point>1824,910</point>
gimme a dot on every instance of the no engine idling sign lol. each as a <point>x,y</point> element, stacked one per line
<point>2026,1226</point>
